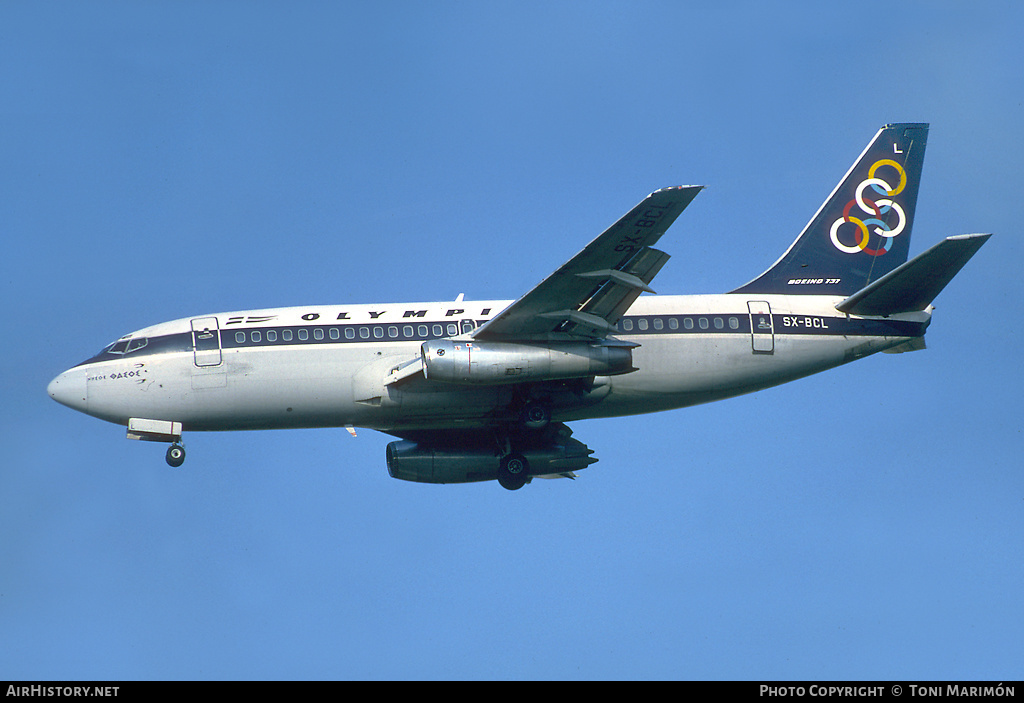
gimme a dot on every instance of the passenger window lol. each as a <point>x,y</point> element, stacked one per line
<point>641,324</point>
<point>719,324</point>
<point>335,333</point>
<point>422,331</point>
<point>627,325</point>
<point>303,334</point>
<point>318,333</point>
<point>438,331</point>
<point>392,332</point>
<point>703,322</point>
<point>407,332</point>
<point>378,332</point>
<point>271,335</point>
<point>256,336</point>
<point>364,333</point>
<point>673,323</point>
<point>286,335</point>
<point>688,323</point>
<point>350,333</point>
<point>453,328</point>
<point>734,323</point>
<point>240,337</point>
<point>658,324</point>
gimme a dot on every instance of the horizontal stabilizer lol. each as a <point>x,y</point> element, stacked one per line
<point>914,285</point>
<point>915,344</point>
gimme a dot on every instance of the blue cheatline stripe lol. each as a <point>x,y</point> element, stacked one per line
<point>632,326</point>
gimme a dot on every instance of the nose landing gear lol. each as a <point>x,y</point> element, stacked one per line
<point>159,431</point>
<point>175,455</point>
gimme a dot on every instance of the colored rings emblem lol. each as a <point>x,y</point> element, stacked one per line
<point>875,209</point>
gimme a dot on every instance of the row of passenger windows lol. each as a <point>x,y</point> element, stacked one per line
<point>335,333</point>
<point>436,330</point>
<point>658,323</point>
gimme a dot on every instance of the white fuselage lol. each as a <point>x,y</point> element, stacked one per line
<point>327,366</point>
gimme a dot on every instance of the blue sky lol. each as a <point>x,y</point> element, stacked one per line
<point>164,160</point>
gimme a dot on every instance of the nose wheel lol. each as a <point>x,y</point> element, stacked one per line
<point>175,455</point>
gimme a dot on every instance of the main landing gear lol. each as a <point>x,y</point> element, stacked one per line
<point>175,455</point>
<point>513,467</point>
<point>535,415</point>
<point>513,471</point>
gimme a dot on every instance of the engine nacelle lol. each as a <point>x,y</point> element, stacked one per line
<point>410,461</point>
<point>489,363</point>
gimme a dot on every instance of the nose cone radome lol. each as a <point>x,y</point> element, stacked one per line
<point>70,389</point>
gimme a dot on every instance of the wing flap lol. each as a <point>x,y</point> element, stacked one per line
<point>618,289</point>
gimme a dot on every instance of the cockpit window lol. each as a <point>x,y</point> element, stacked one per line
<point>119,346</point>
<point>136,344</point>
<point>126,345</point>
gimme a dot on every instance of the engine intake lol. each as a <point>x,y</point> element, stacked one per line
<point>490,363</point>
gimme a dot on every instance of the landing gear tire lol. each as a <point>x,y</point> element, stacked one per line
<point>513,471</point>
<point>536,416</point>
<point>175,455</point>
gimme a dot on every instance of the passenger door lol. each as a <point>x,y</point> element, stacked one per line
<point>762,331</point>
<point>206,341</point>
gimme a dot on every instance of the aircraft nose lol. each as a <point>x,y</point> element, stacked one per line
<point>69,389</point>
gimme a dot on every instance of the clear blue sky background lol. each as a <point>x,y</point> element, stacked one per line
<point>162,160</point>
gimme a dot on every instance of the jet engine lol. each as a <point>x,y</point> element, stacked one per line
<point>410,461</point>
<point>491,363</point>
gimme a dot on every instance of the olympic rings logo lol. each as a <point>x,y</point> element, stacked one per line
<point>876,208</point>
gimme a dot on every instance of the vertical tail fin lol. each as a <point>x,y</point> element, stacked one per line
<point>862,231</point>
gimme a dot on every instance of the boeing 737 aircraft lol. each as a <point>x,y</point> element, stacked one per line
<point>483,390</point>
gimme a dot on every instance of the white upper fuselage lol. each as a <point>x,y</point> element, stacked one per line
<point>327,366</point>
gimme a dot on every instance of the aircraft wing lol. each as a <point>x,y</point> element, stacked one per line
<point>585,298</point>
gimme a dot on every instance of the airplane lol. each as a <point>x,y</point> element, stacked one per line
<point>482,390</point>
